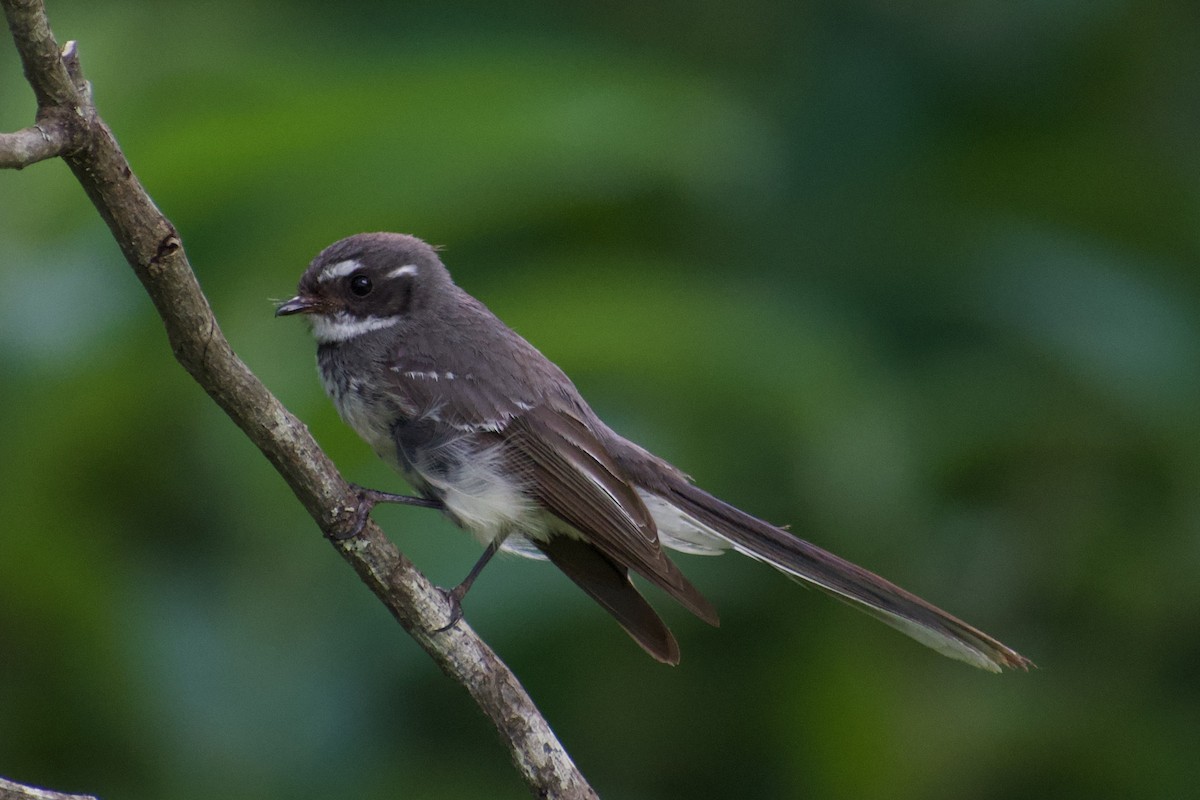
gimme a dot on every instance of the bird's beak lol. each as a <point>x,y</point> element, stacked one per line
<point>300,304</point>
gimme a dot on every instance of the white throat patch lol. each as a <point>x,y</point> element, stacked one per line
<point>341,327</point>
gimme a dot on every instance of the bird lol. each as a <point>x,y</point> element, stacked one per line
<point>496,436</point>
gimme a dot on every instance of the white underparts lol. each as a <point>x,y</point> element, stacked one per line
<point>676,530</point>
<point>341,327</point>
<point>679,531</point>
<point>479,492</point>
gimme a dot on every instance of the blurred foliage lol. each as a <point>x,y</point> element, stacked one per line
<point>918,278</point>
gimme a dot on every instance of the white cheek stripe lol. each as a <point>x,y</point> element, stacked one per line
<point>341,327</point>
<point>339,269</point>
<point>407,269</point>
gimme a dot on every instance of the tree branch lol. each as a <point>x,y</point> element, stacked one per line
<point>19,791</point>
<point>72,128</point>
<point>31,145</point>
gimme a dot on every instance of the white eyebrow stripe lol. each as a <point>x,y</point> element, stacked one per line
<point>339,269</point>
<point>407,269</point>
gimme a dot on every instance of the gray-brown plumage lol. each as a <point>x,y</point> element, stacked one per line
<point>480,422</point>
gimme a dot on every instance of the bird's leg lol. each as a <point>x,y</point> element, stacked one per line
<point>455,596</point>
<point>369,498</point>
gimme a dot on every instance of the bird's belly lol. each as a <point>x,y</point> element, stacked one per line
<point>472,481</point>
<point>477,489</point>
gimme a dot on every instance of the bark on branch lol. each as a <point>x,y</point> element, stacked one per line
<point>68,126</point>
<point>31,145</point>
<point>19,791</point>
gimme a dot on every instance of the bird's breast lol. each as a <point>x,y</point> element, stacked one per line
<point>361,404</point>
<point>468,472</point>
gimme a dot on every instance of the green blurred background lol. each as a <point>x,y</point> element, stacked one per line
<point>918,278</point>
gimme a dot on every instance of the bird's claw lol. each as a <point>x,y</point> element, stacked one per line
<point>368,499</point>
<point>362,512</point>
<point>454,600</point>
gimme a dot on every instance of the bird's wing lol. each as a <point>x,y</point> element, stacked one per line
<point>573,476</point>
<point>548,442</point>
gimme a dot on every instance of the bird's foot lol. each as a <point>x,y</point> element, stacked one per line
<point>369,498</point>
<point>454,598</point>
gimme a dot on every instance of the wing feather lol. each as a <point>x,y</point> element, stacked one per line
<point>576,479</point>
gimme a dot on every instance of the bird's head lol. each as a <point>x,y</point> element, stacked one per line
<point>366,283</point>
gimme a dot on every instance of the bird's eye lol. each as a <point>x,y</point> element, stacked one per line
<point>360,285</point>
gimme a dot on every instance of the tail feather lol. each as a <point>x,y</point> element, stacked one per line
<point>608,584</point>
<point>848,582</point>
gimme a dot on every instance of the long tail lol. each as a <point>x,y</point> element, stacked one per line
<point>849,582</point>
